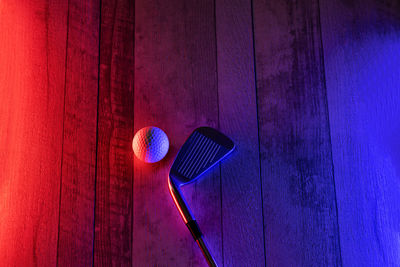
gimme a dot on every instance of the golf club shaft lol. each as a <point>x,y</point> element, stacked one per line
<point>206,252</point>
<point>190,222</point>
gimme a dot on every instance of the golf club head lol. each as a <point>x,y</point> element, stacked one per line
<point>204,148</point>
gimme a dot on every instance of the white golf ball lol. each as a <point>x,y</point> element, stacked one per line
<point>150,144</point>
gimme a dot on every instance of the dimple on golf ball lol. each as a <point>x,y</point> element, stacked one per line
<point>150,144</point>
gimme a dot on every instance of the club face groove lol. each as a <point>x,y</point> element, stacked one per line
<point>204,148</point>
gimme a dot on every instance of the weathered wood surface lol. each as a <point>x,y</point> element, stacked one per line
<point>32,72</point>
<point>308,91</point>
<point>296,161</point>
<point>241,198</point>
<point>75,241</point>
<point>114,206</point>
<point>176,90</point>
<point>362,61</point>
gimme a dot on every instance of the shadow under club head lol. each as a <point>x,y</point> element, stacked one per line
<point>204,148</point>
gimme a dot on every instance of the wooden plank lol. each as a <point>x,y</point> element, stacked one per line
<point>242,214</point>
<point>176,90</point>
<point>75,245</point>
<point>113,219</point>
<point>361,47</point>
<point>296,165</point>
<point>32,70</point>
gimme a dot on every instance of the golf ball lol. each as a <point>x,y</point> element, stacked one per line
<point>150,144</point>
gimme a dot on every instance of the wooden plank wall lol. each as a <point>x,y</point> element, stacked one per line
<point>241,198</point>
<point>296,159</point>
<point>362,58</point>
<point>113,210</point>
<point>76,219</point>
<point>175,71</point>
<point>32,78</point>
<point>308,91</point>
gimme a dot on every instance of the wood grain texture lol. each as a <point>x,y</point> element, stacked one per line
<point>32,69</point>
<point>361,47</point>
<point>113,218</point>
<point>176,90</point>
<point>75,244</point>
<point>242,213</point>
<point>296,165</point>
<point>308,91</point>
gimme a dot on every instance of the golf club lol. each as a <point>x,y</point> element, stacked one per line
<point>204,148</point>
